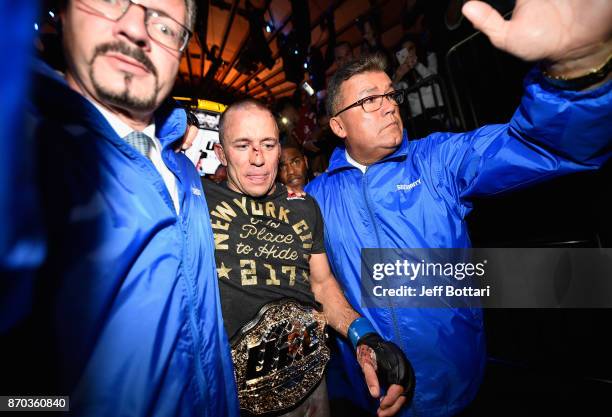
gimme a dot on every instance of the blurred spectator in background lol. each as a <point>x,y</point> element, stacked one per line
<point>323,142</point>
<point>293,168</point>
<point>424,111</point>
<point>219,176</point>
<point>371,44</point>
<point>288,117</point>
<point>343,53</point>
<point>307,115</point>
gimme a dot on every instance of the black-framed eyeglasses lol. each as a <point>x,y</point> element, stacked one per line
<point>374,103</point>
<point>160,27</point>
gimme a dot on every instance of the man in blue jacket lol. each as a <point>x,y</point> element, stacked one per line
<point>125,316</point>
<point>382,191</point>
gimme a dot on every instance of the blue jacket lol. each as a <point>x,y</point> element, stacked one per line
<point>419,196</point>
<point>21,248</point>
<point>130,298</point>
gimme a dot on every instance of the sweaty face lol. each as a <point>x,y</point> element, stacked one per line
<point>117,63</point>
<point>293,168</point>
<point>250,151</point>
<point>369,137</point>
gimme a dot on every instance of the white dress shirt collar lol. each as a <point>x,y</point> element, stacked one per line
<point>354,163</point>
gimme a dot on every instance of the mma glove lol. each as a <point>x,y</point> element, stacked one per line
<point>391,364</point>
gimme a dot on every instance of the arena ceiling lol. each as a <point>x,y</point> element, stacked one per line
<point>217,64</point>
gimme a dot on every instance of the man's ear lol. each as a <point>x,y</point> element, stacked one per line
<point>218,148</point>
<point>337,126</point>
<point>306,162</point>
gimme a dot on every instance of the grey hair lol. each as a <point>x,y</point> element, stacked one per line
<point>367,63</point>
<point>240,105</point>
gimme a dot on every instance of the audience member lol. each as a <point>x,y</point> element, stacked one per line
<point>424,108</point>
<point>293,168</point>
<point>343,53</point>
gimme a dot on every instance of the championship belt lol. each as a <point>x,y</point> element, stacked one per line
<point>279,356</point>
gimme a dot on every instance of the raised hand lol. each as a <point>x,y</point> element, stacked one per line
<point>573,36</point>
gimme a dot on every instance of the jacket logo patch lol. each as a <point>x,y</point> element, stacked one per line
<point>196,191</point>
<point>408,187</point>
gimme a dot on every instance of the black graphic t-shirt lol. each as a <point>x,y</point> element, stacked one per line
<point>262,249</point>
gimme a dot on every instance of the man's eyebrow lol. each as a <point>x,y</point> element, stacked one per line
<point>367,91</point>
<point>373,90</point>
<point>162,13</point>
<point>238,140</point>
<point>159,12</point>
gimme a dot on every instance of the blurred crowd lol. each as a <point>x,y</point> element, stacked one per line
<point>412,64</point>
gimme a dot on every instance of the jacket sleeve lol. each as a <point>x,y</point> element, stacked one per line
<point>22,238</point>
<point>553,132</point>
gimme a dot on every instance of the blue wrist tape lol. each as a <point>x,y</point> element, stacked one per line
<point>359,328</point>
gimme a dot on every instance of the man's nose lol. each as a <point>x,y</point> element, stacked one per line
<point>291,170</point>
<point>388,106</point>
<point>132,26</point>
<point>256,157</point>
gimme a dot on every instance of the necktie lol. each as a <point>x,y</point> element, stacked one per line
<point>140,142</point>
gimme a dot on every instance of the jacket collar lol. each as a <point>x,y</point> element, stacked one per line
<point>338,160</point>
<point>55,99</point>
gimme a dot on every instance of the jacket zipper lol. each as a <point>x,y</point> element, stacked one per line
<point>193,320</point>
<point>191,291</point>
<point>368,202</point>
<point>396,331</point>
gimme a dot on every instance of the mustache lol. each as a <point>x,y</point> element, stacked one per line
<point>134,53</point>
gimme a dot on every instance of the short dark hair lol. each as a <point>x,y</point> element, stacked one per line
<point>290,146</point>
<point>367,63</point>
<point>240,105</point>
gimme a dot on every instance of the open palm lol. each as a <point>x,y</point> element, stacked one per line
<point>554,30</point>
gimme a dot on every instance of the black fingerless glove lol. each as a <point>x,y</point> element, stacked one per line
<point>392,365</point>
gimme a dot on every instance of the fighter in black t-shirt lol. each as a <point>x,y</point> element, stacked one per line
<point>277,290</point>
<point>262,247</point>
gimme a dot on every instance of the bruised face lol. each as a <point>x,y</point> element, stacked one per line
<point>369,137</point>
<point>116,63</point>
<point>250,151</point>
<point>293,168</point>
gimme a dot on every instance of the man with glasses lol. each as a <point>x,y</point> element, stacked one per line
<point>125,316</point>
<point>383,191</point>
